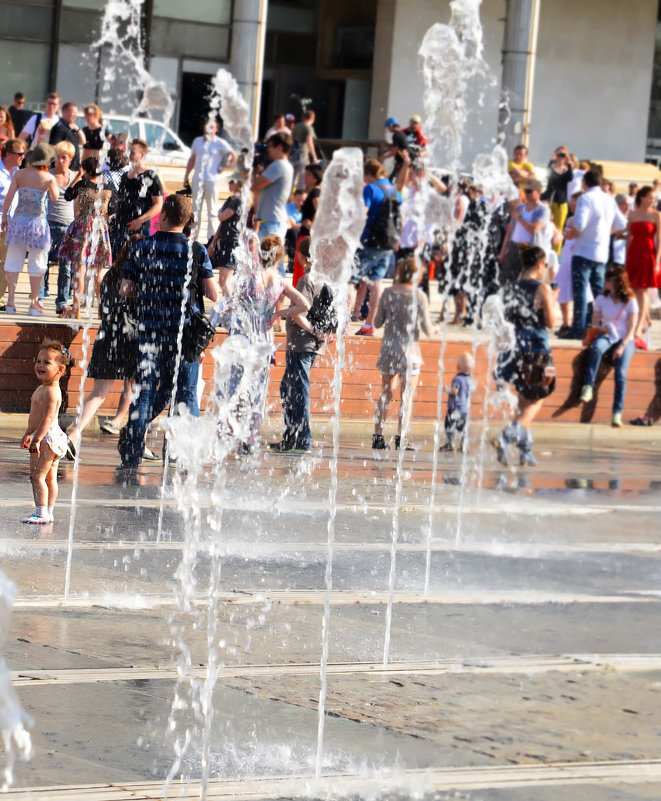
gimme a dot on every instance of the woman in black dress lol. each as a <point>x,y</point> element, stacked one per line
<point>113,354</point>
<point>560,176</point>
<point>529,307</point>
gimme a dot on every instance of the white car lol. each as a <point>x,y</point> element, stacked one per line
<point>165,147</point>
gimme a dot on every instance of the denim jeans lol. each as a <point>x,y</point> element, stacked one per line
<point>154,379</point>
<point>57,231</point>
<point>621,365</point>
<point>295,394</point>
<point>583,272</point>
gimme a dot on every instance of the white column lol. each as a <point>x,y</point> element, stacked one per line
<point>519,49</point>
<point>247,52</point>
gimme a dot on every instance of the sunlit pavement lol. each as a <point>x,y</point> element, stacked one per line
<point>521,659</point>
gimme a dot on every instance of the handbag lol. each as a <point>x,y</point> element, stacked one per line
<point>590,335</point>
<point>198,330</point>
<point>197,334</point>
<point>535,374</point>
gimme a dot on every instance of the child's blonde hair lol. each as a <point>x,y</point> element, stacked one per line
<point>465,362</point>
<point>62,353</point>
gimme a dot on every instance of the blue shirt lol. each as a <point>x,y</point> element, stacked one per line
<point>460,401</point>
<point>373,197</point>
<point>158,266</point>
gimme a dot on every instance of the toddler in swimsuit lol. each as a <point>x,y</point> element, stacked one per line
<point>43,437</point>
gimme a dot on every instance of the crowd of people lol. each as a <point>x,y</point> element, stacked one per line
<point>85,203</point>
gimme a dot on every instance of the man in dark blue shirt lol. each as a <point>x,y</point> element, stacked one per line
<point>157,273</point>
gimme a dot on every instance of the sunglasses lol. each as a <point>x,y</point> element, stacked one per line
<point>20,153</point>
<point>529,191</point>
<point>561,155</point>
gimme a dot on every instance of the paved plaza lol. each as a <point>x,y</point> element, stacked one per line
<point>524,657</point>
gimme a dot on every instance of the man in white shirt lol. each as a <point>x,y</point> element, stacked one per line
<point>209,156</point>
<point>13,151</point>
<point>38,128</point>
<point>591,227</point>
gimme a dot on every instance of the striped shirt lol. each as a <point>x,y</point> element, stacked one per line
<point>158,266</point>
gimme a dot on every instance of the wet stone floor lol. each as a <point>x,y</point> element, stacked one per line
<point>492,634</point>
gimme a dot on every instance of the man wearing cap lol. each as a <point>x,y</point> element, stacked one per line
<point>13,152</point>
<point>399,145</point>
<point>417,140</point>
<point>209,156</point>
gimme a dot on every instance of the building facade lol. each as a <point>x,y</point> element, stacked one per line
<point>594,86</point>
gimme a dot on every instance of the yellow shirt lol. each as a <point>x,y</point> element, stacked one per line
<point>525,165</point>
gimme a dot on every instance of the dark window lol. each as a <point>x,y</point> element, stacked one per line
<point>290,49</point>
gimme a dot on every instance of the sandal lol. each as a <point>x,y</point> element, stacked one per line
<point>642,421</point>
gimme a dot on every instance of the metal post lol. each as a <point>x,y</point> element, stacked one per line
<point>519,51</point>
<point>247,52</point>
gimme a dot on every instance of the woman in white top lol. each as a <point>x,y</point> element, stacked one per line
<point>615,313</point>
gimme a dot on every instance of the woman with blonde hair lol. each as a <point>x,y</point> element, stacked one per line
<point>404,311</point>
<point>6,125</point>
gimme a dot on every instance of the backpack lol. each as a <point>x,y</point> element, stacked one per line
<point>322,314</point>
<point>387,226</point>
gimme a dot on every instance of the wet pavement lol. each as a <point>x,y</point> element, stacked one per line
<point>519,657</point>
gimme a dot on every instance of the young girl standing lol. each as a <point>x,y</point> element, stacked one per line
<point>43,437</point>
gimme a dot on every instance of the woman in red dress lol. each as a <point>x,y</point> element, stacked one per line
<point>643,254</point>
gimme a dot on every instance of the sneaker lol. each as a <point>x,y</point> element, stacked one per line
<point>10,309</point>
<point>587,394</point>
<point>150,456</point>
<point>37,520</point>
<point>109,428</point>
<point>281,447</point>
<point>447,448</point>
<point>244,449</point>
<point>407,447</point>
<point>71,451</point>
<point>616,422</point>
<point>365,331</point>
<point>501,453</point>
<point>379,443</point>
<point>527,458</point>
<point>568,334</point>
<point>640,343</point>
<point>642,421</point>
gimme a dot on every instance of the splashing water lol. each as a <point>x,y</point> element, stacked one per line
<point>121,37</point>
<point>228,100</point>
<point>335,233</point>
<point>14,723</point>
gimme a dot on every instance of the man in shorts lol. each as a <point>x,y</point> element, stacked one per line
<point>372,263</point>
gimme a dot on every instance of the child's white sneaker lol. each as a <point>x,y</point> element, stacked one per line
<point>37,519</point>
